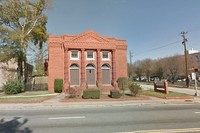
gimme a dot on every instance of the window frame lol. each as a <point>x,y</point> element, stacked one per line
<point>72,58</point>
<point>105,58</point>
<point>92,55</point>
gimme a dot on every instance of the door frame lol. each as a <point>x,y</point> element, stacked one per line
<point>88,67</point>
<point>76,67</point>
<point>106,67</point>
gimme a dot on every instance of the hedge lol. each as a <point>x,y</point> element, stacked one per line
<point>115,94</point>
<point>58,85</point>
<point>91,94</point>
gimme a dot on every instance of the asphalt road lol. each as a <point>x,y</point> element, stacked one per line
<point>113,119</point>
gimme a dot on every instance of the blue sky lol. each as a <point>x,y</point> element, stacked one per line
<point>151,27</point>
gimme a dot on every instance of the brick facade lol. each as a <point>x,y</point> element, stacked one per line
<point>101,57</point>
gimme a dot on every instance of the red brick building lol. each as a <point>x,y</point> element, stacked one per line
<point>86,60</point>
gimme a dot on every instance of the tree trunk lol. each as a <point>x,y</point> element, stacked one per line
<point>25,71</point>
<point>20,71</point>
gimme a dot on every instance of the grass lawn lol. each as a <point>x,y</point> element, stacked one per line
<point>25,100</point>
<point>170,85</point>
<point>26,97</point>
<point>162,95</point>
<point>28,93</point>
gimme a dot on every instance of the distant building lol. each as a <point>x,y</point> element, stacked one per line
<point>7,70</point>
<point>194,60</point>
<point>86,60</point>
<point>192,51</point>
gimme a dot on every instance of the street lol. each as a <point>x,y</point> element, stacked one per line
<point>113,119</point>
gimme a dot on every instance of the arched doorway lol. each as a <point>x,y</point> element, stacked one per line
<point>90,74</point>
<point>74,75</point>
<point>106,74</point>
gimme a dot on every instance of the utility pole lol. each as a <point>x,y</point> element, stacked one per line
<point>131,55</point>
<point>185,51</point>
<point>130,65</point>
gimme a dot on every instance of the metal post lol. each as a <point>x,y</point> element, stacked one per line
<point>195,83</point>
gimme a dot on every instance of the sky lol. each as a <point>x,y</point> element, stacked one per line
<point>151,27</point>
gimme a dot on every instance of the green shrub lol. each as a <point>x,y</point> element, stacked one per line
<point>122,83</point>
<point>115,94</point>
<point>13,86</point>
<point>91,94</point>
<point>58,85</point>
<point>135,89</point>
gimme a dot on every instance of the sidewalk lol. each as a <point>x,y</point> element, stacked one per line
<point>55,103</point>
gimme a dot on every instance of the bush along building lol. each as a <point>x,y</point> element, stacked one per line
<point>87,60</point>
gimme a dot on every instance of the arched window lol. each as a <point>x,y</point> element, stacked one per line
<point>74,66</point>
<point>90,66</point>
<point>105,66</point>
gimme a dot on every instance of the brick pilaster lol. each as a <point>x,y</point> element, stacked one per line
<point>99,72</point>
<point>66,71</point>
<point>83,71</point>
<point>114,78</point>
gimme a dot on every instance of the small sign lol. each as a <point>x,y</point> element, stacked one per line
<point>193,76</point>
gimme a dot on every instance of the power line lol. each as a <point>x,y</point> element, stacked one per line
<point>169,44</point>
<point>165,45</point>
<point>160,47</point>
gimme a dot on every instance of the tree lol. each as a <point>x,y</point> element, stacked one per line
<point>21,22</point>
<point>138,69</point>
<point>147,68</point>
<point>172,67</point>
<point>40,56</point>
<point>158,69</point>
<point>130,70</point>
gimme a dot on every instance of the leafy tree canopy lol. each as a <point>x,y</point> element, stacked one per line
<point>21,22</point>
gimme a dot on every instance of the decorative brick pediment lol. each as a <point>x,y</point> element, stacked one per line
<point>89,36</point>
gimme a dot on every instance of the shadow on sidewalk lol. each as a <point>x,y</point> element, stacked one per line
<point>14,126</point>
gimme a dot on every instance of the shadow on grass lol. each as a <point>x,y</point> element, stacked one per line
<point>130,95</point>
<point>14,126</point>
<point>126,95</point>
<point>109,96</point>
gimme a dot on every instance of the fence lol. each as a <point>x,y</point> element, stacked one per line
<point>37,83</point>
